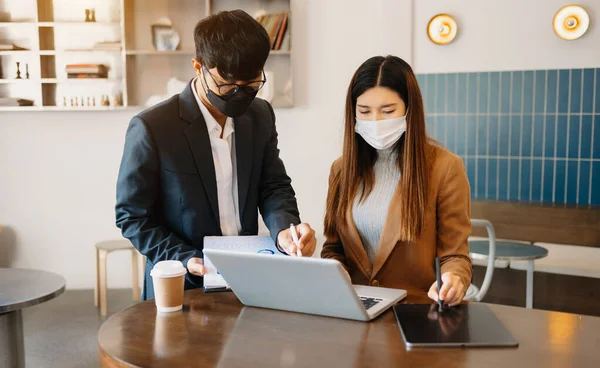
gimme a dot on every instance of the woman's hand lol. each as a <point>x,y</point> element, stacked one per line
<point>452,292</point>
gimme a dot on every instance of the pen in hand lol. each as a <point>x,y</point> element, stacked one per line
<point>296,240</point>
<point>438,275</point>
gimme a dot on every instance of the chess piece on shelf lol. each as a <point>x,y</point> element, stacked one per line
<point>116,100</point>
<point>64,101</point>
<point>93,17</point>
<point>76,101</point>
<point>19,70</point>
<point>89,101</point>
<point>87,15</point>
<point>94,101</point>
<point>72,102</point>
<point>27,71</point>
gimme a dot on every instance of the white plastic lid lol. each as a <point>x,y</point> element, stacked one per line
<point>168,269</point>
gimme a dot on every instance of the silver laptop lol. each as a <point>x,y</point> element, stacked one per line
<point>304,285</point>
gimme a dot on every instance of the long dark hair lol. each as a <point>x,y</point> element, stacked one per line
<point>359,157</point>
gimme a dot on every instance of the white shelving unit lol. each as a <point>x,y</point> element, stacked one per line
<point>154,52</point>
<point>16,81</point>
<point>54,33</point>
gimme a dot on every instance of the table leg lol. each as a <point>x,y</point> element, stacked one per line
<point>529,296</point>
<point>12,351</point>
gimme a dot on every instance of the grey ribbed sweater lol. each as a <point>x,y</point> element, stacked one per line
<point>369,215</point>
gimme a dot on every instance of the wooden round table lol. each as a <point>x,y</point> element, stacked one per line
<point>215,330</point>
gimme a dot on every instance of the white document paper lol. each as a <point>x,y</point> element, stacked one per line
<point>250,244</point>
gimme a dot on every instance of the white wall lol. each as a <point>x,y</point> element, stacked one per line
<point>57,191</point>
<point>503,35</point>
<point>58,170</point>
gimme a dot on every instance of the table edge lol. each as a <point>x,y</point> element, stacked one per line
<point>513,258</point>
<point>31,303</point>
<point>109,361</point>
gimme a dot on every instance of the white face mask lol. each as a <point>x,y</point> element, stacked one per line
<point>381,134</point>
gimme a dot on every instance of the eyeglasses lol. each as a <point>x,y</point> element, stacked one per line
<point>232,88</point>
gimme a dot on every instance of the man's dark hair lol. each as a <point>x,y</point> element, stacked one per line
<point>233,42</point>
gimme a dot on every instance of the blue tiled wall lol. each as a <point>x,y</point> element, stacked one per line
<point>529,135</point>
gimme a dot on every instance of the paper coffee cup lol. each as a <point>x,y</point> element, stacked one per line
<point>168,278</point>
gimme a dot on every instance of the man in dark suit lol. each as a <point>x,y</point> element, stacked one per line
<point>205,161</point>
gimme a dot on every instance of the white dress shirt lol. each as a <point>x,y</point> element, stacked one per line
<point>223,152</point>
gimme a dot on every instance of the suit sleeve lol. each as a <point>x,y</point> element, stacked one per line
<point>454,222</point>
<point>333,248</point>
<point>137,195</point>
<point>277,202</point>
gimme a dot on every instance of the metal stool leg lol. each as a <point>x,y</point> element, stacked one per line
<point>103,286</point>
<point>135,275</point>
<point>529,291</point>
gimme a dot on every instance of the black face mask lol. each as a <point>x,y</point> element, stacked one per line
<point>230,105</point>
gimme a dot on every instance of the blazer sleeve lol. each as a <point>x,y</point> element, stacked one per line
<point>333,248</point>
<point>277,200</point>
<point>454,222</point>
<point>137,195</point>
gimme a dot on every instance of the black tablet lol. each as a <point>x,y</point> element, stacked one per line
<point>466,325</point>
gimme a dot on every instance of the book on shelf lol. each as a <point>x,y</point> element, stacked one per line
<point>15,102</point>
<point>86,70</point>
<point>277,27</point>
<point>86,76</point>
<point>285,42</point>
<point>282,32</point>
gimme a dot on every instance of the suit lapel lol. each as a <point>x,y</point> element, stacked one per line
<point>390,233</point>
<point>199,142</point>
<point>243,152</point>
<point>356,245</point>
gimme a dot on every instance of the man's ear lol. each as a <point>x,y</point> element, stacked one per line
<point>197,65</point>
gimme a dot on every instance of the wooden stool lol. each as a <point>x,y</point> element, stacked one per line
<point>102,250</point>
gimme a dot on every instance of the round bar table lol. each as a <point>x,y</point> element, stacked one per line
<point>21,288</point>
<point>216,330</point>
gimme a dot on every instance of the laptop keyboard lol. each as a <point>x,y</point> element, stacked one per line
<point>369,302</point>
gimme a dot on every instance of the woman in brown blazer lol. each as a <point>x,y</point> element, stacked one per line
<point>396,199</point>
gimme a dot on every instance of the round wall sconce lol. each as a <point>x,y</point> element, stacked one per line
<point>571,22</point>
<point>442,29</point>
